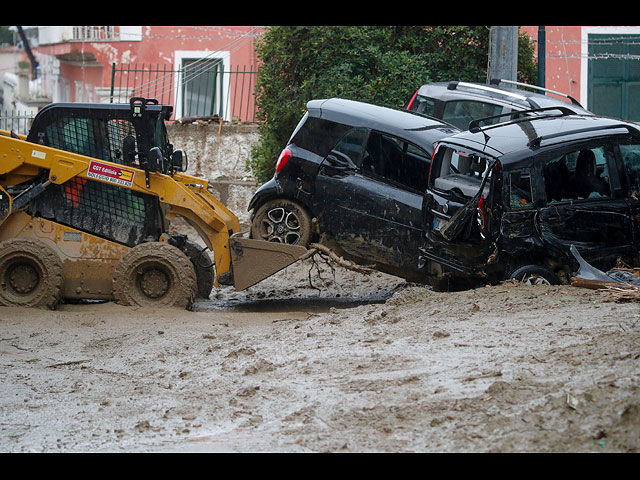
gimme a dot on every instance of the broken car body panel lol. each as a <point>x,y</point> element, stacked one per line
<point>556,181</point>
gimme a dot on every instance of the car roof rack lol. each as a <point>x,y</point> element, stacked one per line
<point>474,125</point>
<point>455,84</point>
<point>535,143</point>
<point>498,81</point>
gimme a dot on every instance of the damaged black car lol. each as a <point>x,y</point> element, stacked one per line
<point>509,200</point>
<point>352,177</point>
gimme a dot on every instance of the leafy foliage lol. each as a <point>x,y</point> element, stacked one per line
<point>383,65</point>
<point>6,35</point>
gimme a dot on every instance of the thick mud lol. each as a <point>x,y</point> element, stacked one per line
<point>292,365</point>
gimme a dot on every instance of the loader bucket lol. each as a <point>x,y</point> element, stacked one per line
<point>255,260</point>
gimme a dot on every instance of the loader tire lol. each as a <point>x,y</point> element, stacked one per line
<point>155,274</point>
<point>204,268</point>
<point>31,274</point>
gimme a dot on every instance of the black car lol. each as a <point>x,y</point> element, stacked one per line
<point>352,175</point>
<point>459,103</point>
<point>509,201</point>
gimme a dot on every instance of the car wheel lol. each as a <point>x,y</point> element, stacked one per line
<point>282,220</point>
<point>534,275</point>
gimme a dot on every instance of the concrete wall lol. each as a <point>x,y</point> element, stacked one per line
<point>220,153</point>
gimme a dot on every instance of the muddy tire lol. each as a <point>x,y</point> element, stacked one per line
<point>204,268</point>
<point>534,275</point>
<point>31,274</point>
<point>282,220</point>
<point>155,274</point>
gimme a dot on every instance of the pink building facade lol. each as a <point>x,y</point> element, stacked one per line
<point>597,65</point>
<point>77,62</point>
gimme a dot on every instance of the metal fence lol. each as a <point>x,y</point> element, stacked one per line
<point>202,88</point>
<point>18,122</point>
<point>94,34</point>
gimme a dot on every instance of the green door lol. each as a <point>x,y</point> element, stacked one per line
<point>614,76</point>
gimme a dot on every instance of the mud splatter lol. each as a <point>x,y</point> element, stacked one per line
<point>508,368</point>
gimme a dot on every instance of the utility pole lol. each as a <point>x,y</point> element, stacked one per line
<point>27,48</point>
<point>504,53</point>
<point>542,55</point>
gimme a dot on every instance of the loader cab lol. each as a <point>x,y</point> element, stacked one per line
<point>99,130</point>
<point>123,134</point>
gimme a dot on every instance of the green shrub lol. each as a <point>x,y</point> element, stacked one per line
<point>383,65</point>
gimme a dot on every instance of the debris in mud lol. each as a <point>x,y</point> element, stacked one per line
<point>572,402</point>
<point>404,374</point>
<point>628,293</point>
<point>621,283</point>
<point>317,248</point>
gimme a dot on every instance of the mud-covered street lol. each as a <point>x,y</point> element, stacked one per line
<point>318,361</point>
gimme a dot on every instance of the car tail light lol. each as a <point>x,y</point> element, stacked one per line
<point>284,157</point>
<point>410,104</point>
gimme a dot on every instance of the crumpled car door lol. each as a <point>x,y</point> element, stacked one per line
<point>599,224</point>
<point>370,215</point>
<point>462,233</point>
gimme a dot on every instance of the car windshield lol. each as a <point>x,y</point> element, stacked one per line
<point>459,172</point>
<point>461,112</point>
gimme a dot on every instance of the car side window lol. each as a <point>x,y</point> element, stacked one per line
<point>397,160</point>
<point>461,112</point>
<point>423,105</point>
<point>351,146</point>
<point>631,160</point>
<point>519,185</point>
<point>578,174</point>
<point>318,135</point>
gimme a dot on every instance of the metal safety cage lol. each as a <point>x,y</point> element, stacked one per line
<point>105,210</point>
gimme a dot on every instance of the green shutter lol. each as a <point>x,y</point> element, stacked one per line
<point>614,76</point>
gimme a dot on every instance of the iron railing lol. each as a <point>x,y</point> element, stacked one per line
<point>18,122</point>
<point>200,89</point>
<point>96,33</point>
<point>227,94</point>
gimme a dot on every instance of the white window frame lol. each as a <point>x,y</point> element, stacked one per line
<point>181,55</point>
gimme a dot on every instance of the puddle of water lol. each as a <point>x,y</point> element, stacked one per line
<point>310,304</point>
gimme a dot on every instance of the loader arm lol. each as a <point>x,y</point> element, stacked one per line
<point>179,194</point>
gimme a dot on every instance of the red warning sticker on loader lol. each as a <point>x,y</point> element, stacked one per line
<point>109,173</point>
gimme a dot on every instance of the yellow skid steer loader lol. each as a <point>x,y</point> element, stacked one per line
<point>86,201</point>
